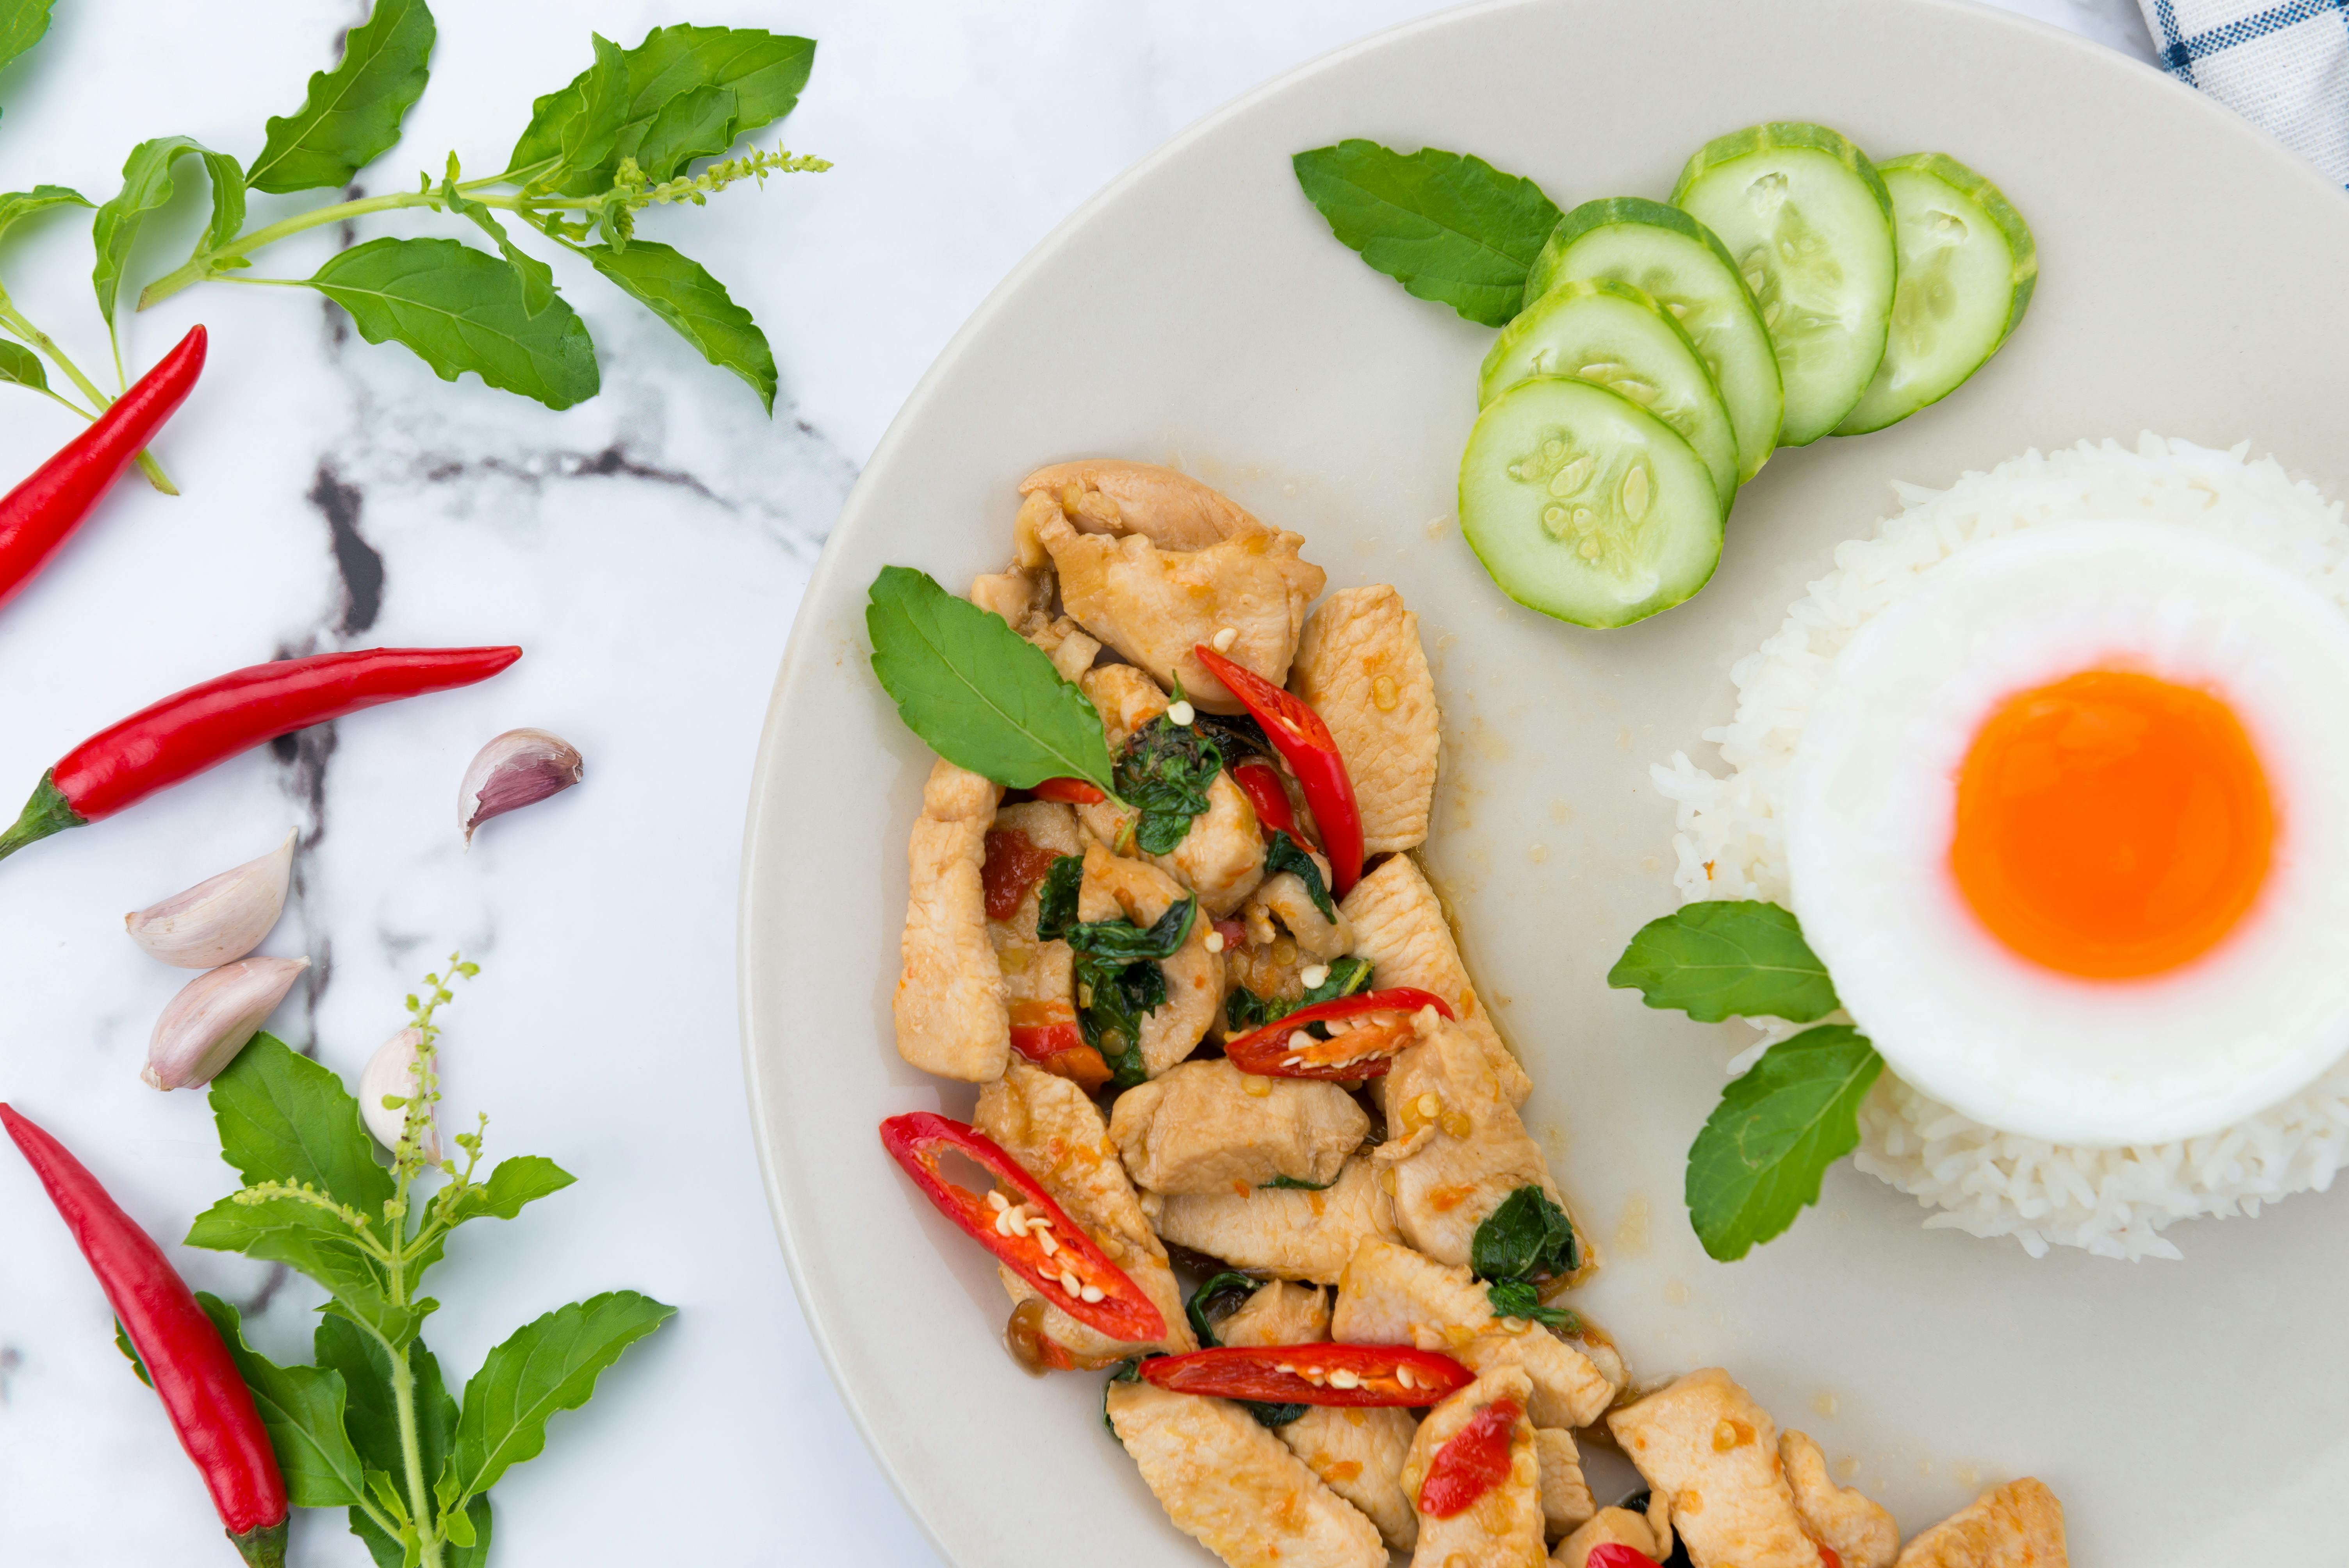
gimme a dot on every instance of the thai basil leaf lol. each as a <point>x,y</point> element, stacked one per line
<point>459,310</point>
<point>1527,1237</point>
<point>1285,854</point>
<point>1299,1184</point>
<point>977,692</point>
<point>681,292</point>
<point>146,183</point>
<point>1244,1010</point>
<point>285,1118</point>
<point>1122,941</point>
<point>1120,996</point>
<point>1764,1149</point>
<point>1218,1298</point>
<point>697,124</point>
<point>23,367</point>
<point>317,1243</point>
<point>303,1407</point>
<point>1447,226</point>
<point>537,278</point>
<point>1055,904</point>
<point>1165,771</point>
<point>1522,1298</point>
<point>22,23</point>
<point>122,1343</point>
<point>1718,958</point>
<point>17,205</point>
<point>352,114</point>
<point>1274,1416</point>
<point>545,1366</point>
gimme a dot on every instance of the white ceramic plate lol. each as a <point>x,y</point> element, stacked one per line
<point>1199,313</point>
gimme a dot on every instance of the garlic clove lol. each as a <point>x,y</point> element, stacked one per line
<point>391,1073</point>
<point>214,1016</point>
<point>518,769</point>
<point>220,919</point>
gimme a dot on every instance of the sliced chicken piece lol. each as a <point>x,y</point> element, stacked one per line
<point>1234,1487</point>
<point>1279,1314</point>
<point>1389,1295</point>
<point>1115,887</point>
<point>1169,508</point>
<point>1861,1533</point>
<point>1049,1125</point>
<point>1068,645</point>
<point>1154,602</point>
<point>1612,1526</point>
<point>1454,1139</point>
<point>1207,1127</point>
<point>1023,598</point>
<point>1282,1231</point>
<point>1039,977</point>
<point>1566,1496</point>
<point>1399,926</point>
<point>1284,897</point>
<point>1360,667</point>
<point>1706,1442</point>
<point>1502,1529</point>
<point>1221,859</point>
<point>2020,1525</point>
<point>952,1015</point>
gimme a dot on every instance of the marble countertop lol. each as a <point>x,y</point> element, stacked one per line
<point>647,549</point>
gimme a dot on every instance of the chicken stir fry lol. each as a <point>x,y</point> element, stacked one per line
<point>1220,1022</point>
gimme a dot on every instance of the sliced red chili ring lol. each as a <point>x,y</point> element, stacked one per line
<point>1270,1052</point>
<point>1322,1374</point>
<point>1260,782</point>
<point>1304,742</point>
<point>1046,1033</point>
<point>1472,1461</point>
<point>919,1139</point>
<point>1069,792</point>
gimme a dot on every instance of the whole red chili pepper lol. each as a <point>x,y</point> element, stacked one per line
<point>210,1406</point>
<point>1061,1270</point>
<point>1306,744</point>
<point>1366,1051</point>
<point>39,514</point>
<point>1472,1461</point>
<point>184,734</point>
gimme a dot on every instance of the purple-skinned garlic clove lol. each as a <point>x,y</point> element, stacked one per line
<point>518,769</point>
<point>391,1074</point>
<point>214,1016</point>
<point>222,918</point>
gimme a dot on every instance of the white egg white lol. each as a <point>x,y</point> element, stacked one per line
<point>1872,802</point>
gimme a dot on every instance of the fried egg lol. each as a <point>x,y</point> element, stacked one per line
<point>2069,825</point>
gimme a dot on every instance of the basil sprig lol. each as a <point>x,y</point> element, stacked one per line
<point>1766,1147</point>
<point>1521,1244</point>
<point>977,693</point>
<point>1447,226</point>
<point>1165,771</point>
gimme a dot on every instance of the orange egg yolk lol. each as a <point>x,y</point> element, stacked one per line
<point>2112,825</point>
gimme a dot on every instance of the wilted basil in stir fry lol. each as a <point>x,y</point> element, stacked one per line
<point>1165,769</point>
<point>1285,854</point>
<point>1244,1010</point>
<point>1528,1239</point>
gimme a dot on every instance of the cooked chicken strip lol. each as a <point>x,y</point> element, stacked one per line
<point>1153,604</point>
<point>1221,859</point>
<point>1234,1487</point>
<point>1169,508</point>
<point>1207,1127</point>
<point>1861,1532</point>
<point>1564,1495</point>
<point>1391,1294</point>
<point>1279,1314</point>
<point>1616,1526</point>
<point>1360,667</point>
<point>1454,1139</point>
<point>1284,897</point>
<point>1036,974</point>
<point>2020,1525</point>
<point>1049,1125</point>
<point>1282,1231</point>
<point>1399,926</point>
<point>952,1017</point>
<point>1114,886</point>
<point>1706,1442</point>
<point>1021,598</point>
<point>1502,1529</point>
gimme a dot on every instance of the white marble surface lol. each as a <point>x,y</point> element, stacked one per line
<point>647,549</point>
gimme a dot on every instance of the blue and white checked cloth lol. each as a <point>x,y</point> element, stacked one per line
<point>2284,67</point>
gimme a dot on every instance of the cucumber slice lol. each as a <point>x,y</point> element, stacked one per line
<point>1810,223</point>
<point>1678,262</point>
<point>1585,506</point>
<point>1968,265</point>
<point>1615,336</point>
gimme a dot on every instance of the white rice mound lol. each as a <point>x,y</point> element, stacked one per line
<point>1730,844</point>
